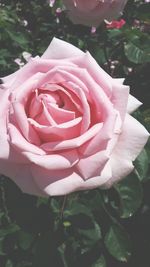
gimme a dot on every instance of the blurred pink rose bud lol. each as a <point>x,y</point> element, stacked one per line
<point>93,12</point>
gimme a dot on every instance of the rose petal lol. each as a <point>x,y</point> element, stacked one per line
<point>74,142</point>
<point>133,104</point>
<point>59,49</point>
<point>22,176</point>
<point>134,136</point>
<point>60,115</point>
<point>20,143</point>
<point>100,140</point>
<point>34,66</point>
<point>7,152</point>
<point>63,160</point>
<point>120,94</point>
<point>125,168</point>
<point>64,182</point>
<point>92,166</point>
<point>103,79</point>
<point>45,117</point>
<point>64,131</point>
<point>26,128</point>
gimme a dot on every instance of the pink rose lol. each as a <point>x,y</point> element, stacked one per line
<point>65,124</point>
<point>93,12</point>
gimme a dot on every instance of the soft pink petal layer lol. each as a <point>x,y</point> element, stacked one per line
<point>26,128</point>
<point>63,160</point>
<point>34,66</point>
<point>103,79</point>
<point>73,143</point>
<point>133,104</point>
<point>130,143</point>
<point>22,176</point>
<point>91,166</point>
<point>64,131</point>
<point>132,139</point>
<point>64,182</point>
<point>59,49</point>
<point>20,143</point>
<point>119,98</point>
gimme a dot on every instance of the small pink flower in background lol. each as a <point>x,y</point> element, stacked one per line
<point>93,30</point>
<point>93,12</point>
<point>51,3</point>
<point>115,24</point>
<point>59,10</point>
<point>65,124</point>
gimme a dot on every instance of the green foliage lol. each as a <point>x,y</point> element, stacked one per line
<point>118,243</point>
<point>130,194</point>
<point>98,228</point>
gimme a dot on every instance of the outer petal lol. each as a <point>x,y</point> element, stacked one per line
<point>22,176</point>
<point>59,49</point>
<point>34,66</point>
<point>67,181</point>
<point>103,79</point>
<point>120,94</point>
<point>133,104</point>
<point>4,102</point>
<point>130,143</point>
<point>132,140</point>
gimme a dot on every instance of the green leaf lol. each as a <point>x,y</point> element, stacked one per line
<point>90,237</point>
<point>61,250</point>
<point>130,194</point>
<point>142,165</point>
<point>55,206</point>
<point>9,264</point>
<point>99,55</point>
<point>18,38</point>
<point>24,264</point>
<point>25,240</point>
<point>135,54</point>
<point>41,200</point>
<point>1,247</point>
<point>100,262</point>
<point>113,33</point>
<point>77,208</point>
<point>146,117</point>
<point>12,228</point>
<point>118,243</point>
<point>46,252</point>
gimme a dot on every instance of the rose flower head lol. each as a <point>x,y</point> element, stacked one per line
<point>93,12</point>
<point>65,124</point>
